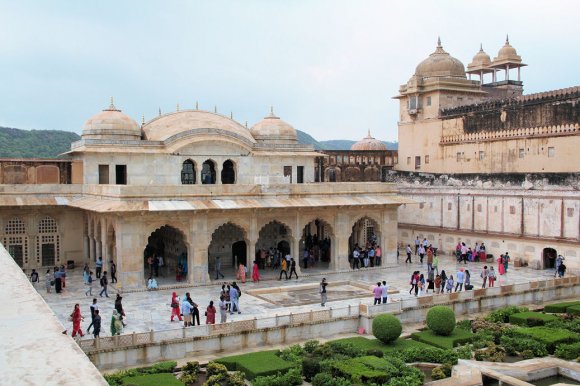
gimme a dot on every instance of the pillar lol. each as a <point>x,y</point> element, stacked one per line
<point>218,173</point>
<point>86,248</point>
<point>389,235</point>
<point>342,228</point>
<point>131,238</point>
<point>198,267</point>
<point>92,256</point>
<point>198,170</point>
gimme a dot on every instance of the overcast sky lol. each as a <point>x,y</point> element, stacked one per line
<point>329,68</point>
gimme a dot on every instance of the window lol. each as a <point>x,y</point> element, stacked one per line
<point>228,173</point>
<point>121,174</point>
<point>103,174</point>
<point>188,172</point>
<point>413,105</point>
<point>449,206</point>
<point>300,174</point>
<point>288,173</point>
<point>208,173</point>
<point>512,209</point>
<point>522,153</point>
<point>481,155</point>
<point>551,152</point>
<point>426,159</point>
<point>408,160</point>
<point>428,101</point>
<point>16,241</point>
<point>458,156</point>
<point>47,242</point>
<point>418,162</point>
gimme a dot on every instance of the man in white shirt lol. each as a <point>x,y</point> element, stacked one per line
<point>459,280</point>
<point>384,289</point>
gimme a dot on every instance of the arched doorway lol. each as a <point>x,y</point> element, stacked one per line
<point>317,239</point>
<point>549,257</point>
<point>169,244</point>
<point>188,172</point>
<point>208,172</point>
<point>228,242</point>
<point>365,233</point>
<point>228,173</point>
<point>274,239</point>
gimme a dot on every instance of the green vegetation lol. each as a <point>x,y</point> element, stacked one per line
<point>574,310</point>
<point>291,378</point>
<point>370,369</point>
<point>441,320</point>
<point>531,319</point>
<point>502,315</point>
<point>143,373</point>
<point>457,337</point>
<point>560,308</point>
<point>568,351</point>
<point>441,372</point>
<point>190,371</point>
<point>34,143</point>
<point>551,337</point>
<point>375,344</point>
<point>428,354</point>
<point>261,363</point>
<point>166,379</point>
<point>387,328</point>
<point>519,345</point>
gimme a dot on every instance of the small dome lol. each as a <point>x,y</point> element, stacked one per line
<point>272,129</point>
<point>480,60</point>
<point>508,53</point>
<point>111,123</point>
<point>440,64</point>
<point>369,143</point>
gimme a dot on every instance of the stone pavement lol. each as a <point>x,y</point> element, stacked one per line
<point>148,310</point>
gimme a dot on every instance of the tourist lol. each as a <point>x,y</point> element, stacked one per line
<point>178,272</point>
<point>226,294</point>
<point>484,275</point>
<point>417,243</point>
<point>559,260</point>
<point>355,258</point>
<point>500,265</point>
<point>384,291</point>
<point>371,257</point>
<point>255,272</point>
<point>48,281</point>
<point>104,283</point>
<point>562,270</point>
<point>156,265</point>
<point>429,259</point>
<point>218,268</point>
<point>464,253</point>
<point>175,312</point>
<point>443,278</point>
<point>430,281</point>
<point>435,263</point>
<point>234,299</point>
<point>283,269</point>
<point>57,280</point>
<point>92,308</point>
<point>293,268</point>
<point>99,267</point>
<point>116,324</point>
<point>96,324</point>
<point>305,256</point>
<point>119,308</point>
<point>241,273</point>
<point>421,284</point>
<point>63,275</point>
<point>34,277</point>
<point>152,283</point>
<point>86,271</point>
<point>235,285</point>
<point>468,285</point>
<point>408,250</point>
<point>223,310</point>
<point>506,260</point>
<point>194,310</point>
<point>491,276</point>
<point>458,251</point>
<point>460,279</point>
<point>76,319</point>
<point>449,285</point>
<point>186,311</point>
<point>113,267</point>
<point>379,256</point>
<point>438,284</point>
<point>210,313</point>
<point>414,283</point>
<point>322,291</point>
<point>90,281</point>
<point>421,253</point>
<point>378,293</point>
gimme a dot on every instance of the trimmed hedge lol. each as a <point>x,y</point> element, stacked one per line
<point>119,377</point>
<point>375,344</point>
<point>551,337</point>
<point>370,369</point>
<point>531,319</point>
<point>519,345</point>
<point>427,354</point>
<point>387,328</point>
<point>457,337</point>
<point>290,378</point>
<point>153,380</point>
<point>574,310</point>
<point>441,320</point>
<point>257,364</point>
<point>568,351</point>
<point>502,315</point>
<point>560,308</point>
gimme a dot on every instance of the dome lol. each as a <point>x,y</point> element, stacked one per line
<point>480,60</point>
<point>508,53</point>
<point>440,64</point>
<point>111,123</point>
<point>272,129</point>
<point>180,123</point>
<point>369,143</point>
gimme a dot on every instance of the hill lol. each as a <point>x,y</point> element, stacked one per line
<point>18,143</point>
<point>307,139</point>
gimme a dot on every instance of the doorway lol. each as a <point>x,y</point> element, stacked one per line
<point>549,257</point>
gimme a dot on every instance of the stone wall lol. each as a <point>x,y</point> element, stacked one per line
<point>35,171</point>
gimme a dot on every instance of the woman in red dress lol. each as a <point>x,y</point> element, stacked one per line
<point>500,265</point>
<point>210,313</point>
<point>175,307</point>
<point>76,320</point>
<point>255,272</point>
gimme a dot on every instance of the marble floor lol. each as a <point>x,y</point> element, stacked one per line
<point>147,310</point>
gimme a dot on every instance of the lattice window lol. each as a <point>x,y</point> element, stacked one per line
<point>15,226</point>
<point>47,243</point>
<point>17,247</point>
<point>47,225</point>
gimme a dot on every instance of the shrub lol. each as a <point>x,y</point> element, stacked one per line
<point>464,324</point>
<point>369,370</point>
<point>368,344</point>
<point>188,378</point>
<point>441,372</point>
<point>293,353</point>
<point>531,319</point>
<point>375,352</point>
<point>493,353</point>
<point>236,379</point>
<point>441,320</point>
<point>457,338</point>
<point>215,368</point>
<point>191,368</point>
<point>465,352</point>
<point>502,315</point>
<point>325,379</point>
<point>214,380</point>
<point>571,324</point>
<point>310,367</point>
<point>551,337</point>
<point>345,348</point>
<point>427,354</point>
<point>153,380</point>
<point>574,310</point>
<point>387,328</point>
<point>568,351</point>
<point>310,346</point>
<point>291,378</point>
<point>256,364</point>
<point>560,308</point>
<point>517,345</point>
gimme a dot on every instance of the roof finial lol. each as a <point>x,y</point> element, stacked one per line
<point>507,39</point>
<point>215,109</point>
<point>439,42</point>
<point>111,105</point>
<point>246,124</point>
<point>177,108</point>
<point>196,105</point>
<point>142,119</point>
<point>231,115</point>
<point>481,46</point>
<point>271,112</point>
<point>369,133</point>
<point>160,111</point>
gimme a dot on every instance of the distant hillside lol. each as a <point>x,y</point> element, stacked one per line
<point>18,143</point>
<point>345,144</point>
<point>306,139</point>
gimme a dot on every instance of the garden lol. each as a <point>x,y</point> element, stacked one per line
<point>509,334</point>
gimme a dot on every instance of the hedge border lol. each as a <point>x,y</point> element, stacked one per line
<point>457,337</point>
<point>560,308</point>
<point>252,364</point>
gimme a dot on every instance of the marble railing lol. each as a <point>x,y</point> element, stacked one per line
<point>498,135</point>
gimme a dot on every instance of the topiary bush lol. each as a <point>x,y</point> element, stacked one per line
<point>441,372</point>
<point>291,378</point>
<point>568,351</point>
<point>325,379</point>
<point>387,328</point>
<point>441,320</point>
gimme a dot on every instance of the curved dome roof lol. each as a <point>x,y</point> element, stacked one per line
<point>181,122</point>
<point>480,60</point>
<point>369,143</point>
<point>508,53</point>
<point>440,64</point>
<point>111,123</point>
<point>272,129</point>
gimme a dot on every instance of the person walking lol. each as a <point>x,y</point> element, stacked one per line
<point>218,268</point>
<point>449,285</point>
<point>186,311</point>
<point>96,324</point>
<point>561,270</point>
<point>223,310</point>
<point>48,281</point>
<point>557,263</point>
<point>113,267</point>
<point>421,253</point>
<point>175,311</point>
<point>409,253</point>
<point>86,271</point>
<point>242,272</point>
<point>283,269</point>
<point>210,313</point>
<point>57,280</point>
<point>99,267</point>
<point>379,256</point>
<point>421,284</point>
<point>429,259</point>
<point>460,277</point>
<point>76,319</point>
<point>491,277</point>
<point>384,291</point>
<point>234,300</point>
<point>438,284</point>
<point>293,268</point>
<point>417,243</point>
<point>500,265</point>
<point>34,277</point>
<point>93,307</point>
<point>255,272</point>
<point>104,283</point>
<point>435,264</point>
<point>116,324</point>
<point>378,292</point>
<point>484,274</point>
<point>322,291</point>
<point>414,282</point>
<point>90,281</point>
<point>506,260</point>
<point>430,281</point>
<point>194,310</point>
<point>467,280</point>
<point>119,308</point>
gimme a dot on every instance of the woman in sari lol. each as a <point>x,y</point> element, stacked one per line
<point>116,324</point>
<point>500,265</point>
<point>210,313</point>
<point>242,273</point>
<point>76,318</point>
<point>255,272</point>
<point>506,260</point>
<point>175,308</point>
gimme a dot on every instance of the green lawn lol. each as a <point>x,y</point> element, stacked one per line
<point>457,337</point>
<point>366,344</point>
<point>256,364</point>
<point>552,337</point>
<point>165,379</point>
<point>531,318</point>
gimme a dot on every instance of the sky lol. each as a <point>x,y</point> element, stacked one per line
<point>329,68</point>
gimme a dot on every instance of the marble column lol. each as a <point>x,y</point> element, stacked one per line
<point>198,251</point>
